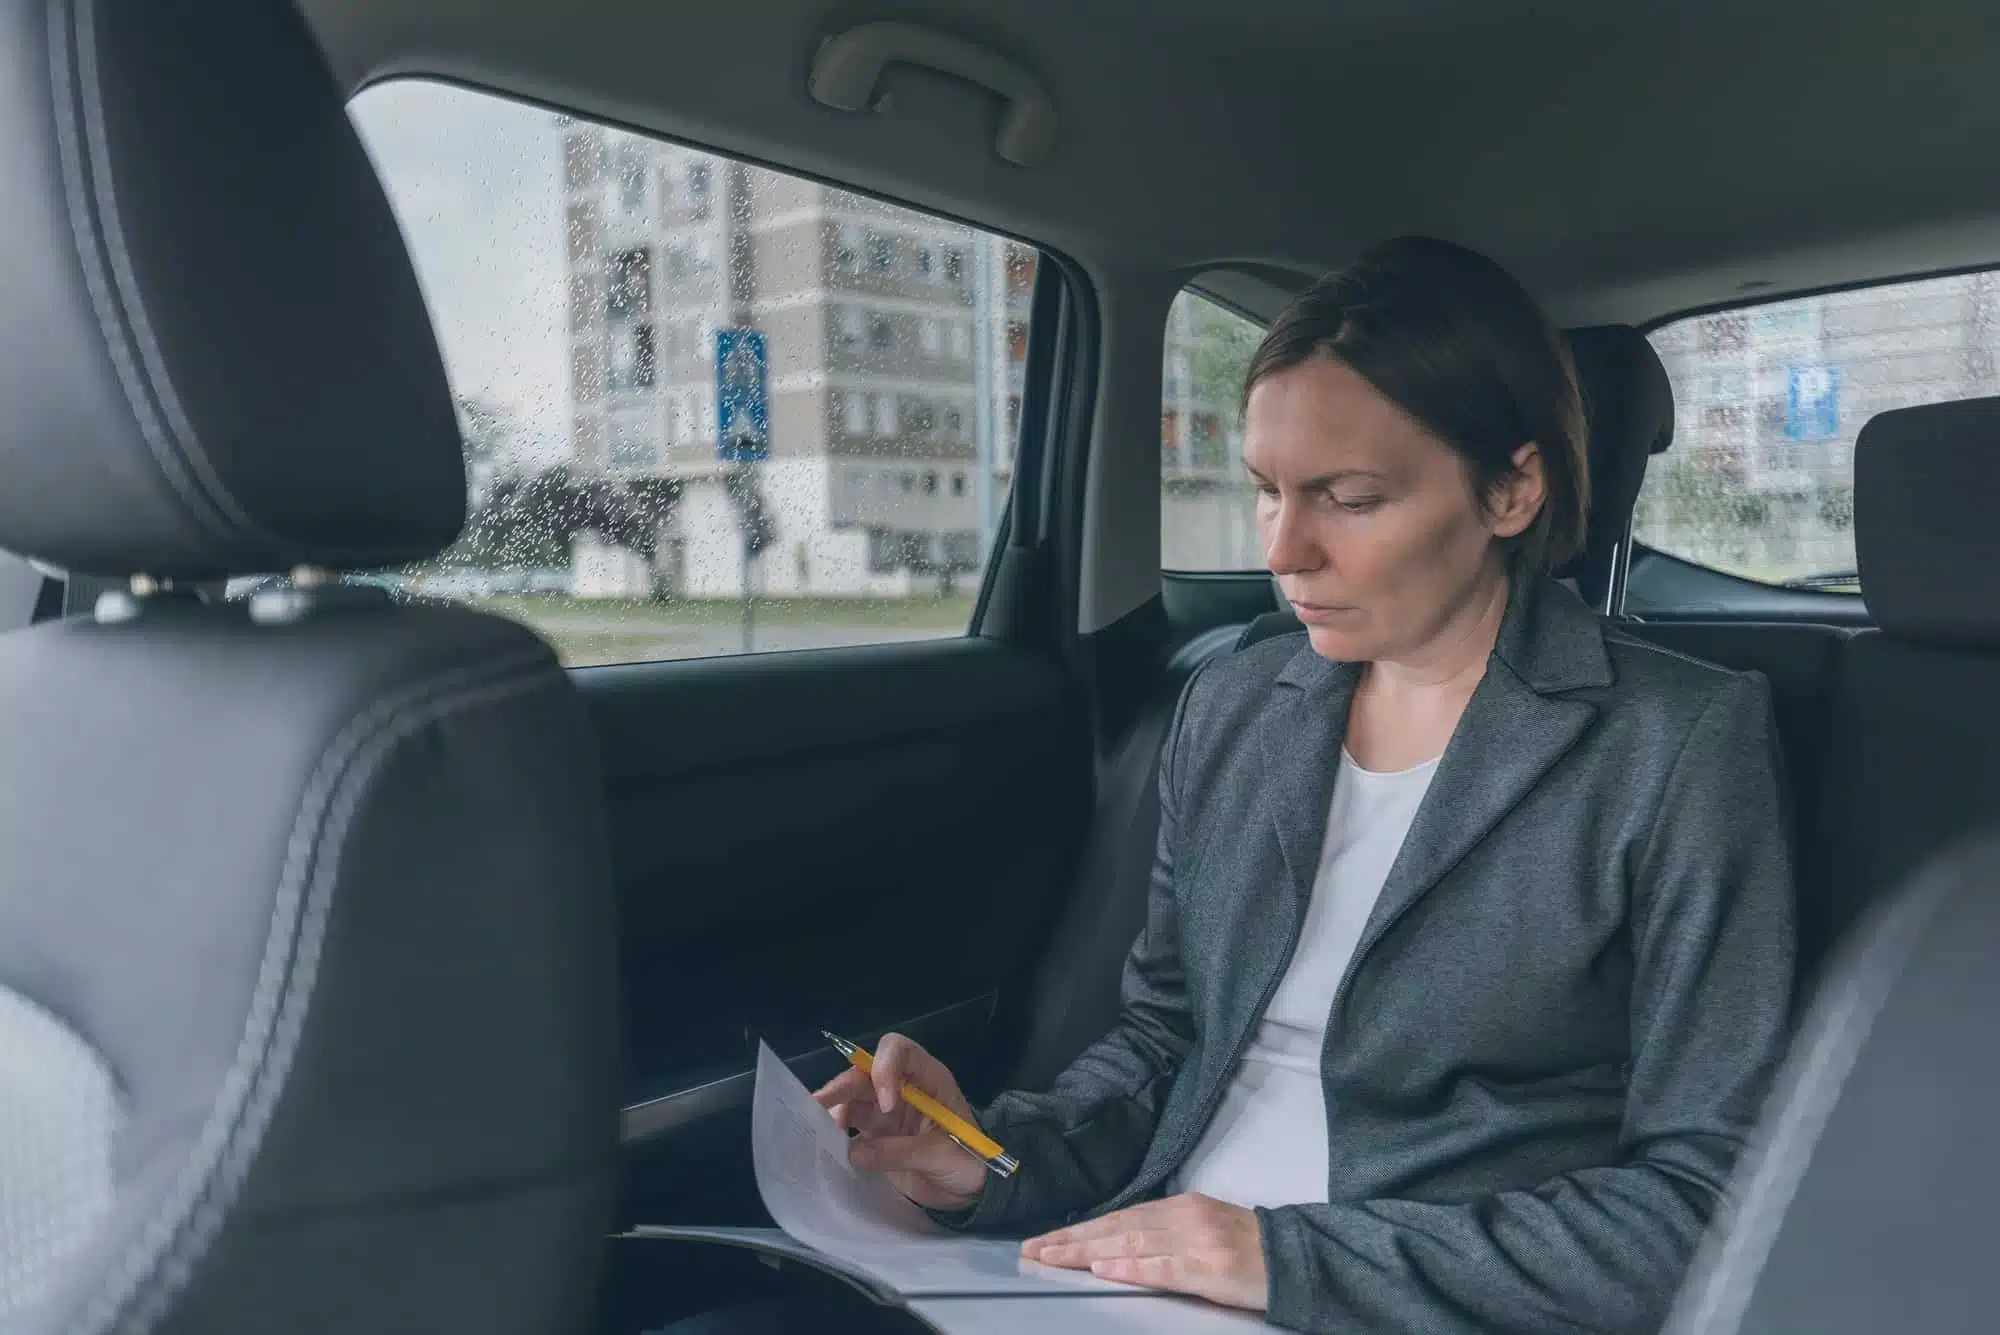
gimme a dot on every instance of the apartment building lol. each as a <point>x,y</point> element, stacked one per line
<point>895,344</point>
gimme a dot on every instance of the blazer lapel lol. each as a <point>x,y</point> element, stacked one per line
<point>1300,743</point>
<point>1517,725</point>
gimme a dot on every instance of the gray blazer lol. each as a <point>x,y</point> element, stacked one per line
<point>1559,1023</point>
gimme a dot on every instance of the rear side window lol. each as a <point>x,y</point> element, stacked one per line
<point>1768,401</point>
<point>707,407</point>
<point>1207,507</point>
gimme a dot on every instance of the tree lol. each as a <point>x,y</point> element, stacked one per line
<point>485,428</point>
<point>1221,354</point>
<point>1708,509</point>
<point>535,520</point>
<point>1836,508</point>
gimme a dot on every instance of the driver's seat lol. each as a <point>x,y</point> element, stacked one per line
<point>307,1009</point>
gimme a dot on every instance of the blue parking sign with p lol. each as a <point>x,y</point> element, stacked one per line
<point>1812,402</point>
<point>742,397</point>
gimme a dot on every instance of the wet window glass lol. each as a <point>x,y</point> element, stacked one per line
<point>1207,506</point>
<point>707,407</point>
<point>1759,481</point>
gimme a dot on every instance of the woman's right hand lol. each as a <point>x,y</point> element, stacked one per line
<point>891,1137</point>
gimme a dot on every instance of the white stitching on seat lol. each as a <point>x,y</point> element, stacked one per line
<point>214,488</point>
<point>160,1259</point>
<point>1724,1278</point>
<point>107,275</point>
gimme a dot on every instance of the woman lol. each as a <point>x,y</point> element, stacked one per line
<point>1469,941</point>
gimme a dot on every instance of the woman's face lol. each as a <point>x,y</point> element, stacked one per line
<point>1369,522</point>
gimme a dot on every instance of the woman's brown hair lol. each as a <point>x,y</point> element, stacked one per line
<point>1454,341</point>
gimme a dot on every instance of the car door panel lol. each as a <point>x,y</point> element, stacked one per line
<point>857,839</point>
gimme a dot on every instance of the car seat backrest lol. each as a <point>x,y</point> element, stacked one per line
<point>307,971</point>
<point>1865,1202</point>
<point>1912,735</point>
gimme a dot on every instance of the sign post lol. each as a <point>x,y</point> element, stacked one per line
<point>743,440</point>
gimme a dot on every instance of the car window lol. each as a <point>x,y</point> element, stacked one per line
<point>1207,507</point>
<point>1759,481</point>
<point>707,407</point>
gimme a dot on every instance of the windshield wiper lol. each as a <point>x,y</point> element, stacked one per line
<point>1825,579</point>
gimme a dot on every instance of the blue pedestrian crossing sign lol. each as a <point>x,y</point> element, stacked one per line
<point>1812,402</point>
<point>742,397</point>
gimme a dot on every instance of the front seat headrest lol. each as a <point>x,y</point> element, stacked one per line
<point>1628,405</point>
<point>1926,489</point>
<point>218,360</point>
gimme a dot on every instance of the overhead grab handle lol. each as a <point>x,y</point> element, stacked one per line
<point>847,72</point>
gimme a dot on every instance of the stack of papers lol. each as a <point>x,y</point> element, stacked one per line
<point>858,1227</point>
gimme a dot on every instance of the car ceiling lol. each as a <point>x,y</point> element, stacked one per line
<point>1628,160</point>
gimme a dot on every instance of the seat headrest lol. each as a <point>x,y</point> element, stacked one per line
<point>1926,490</point>
<point>217,360</point>
<point>1628,406</point>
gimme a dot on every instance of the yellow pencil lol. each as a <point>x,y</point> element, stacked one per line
<point>969,1137</point>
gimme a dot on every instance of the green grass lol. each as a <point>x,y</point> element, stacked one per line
<point>615,615</point>
<point>589,632</point>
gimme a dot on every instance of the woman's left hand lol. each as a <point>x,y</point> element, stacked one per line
<point>1189,1243</point>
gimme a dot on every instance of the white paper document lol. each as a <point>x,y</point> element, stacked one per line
<point>856,1225</point>
<point>858,1218</point>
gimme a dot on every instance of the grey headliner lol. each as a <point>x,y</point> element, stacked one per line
<point>1628,160</point>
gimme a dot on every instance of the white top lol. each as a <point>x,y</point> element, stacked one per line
<point>1267,1143</point>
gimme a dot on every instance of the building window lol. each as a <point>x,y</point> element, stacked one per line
<point>632,179</point>
<point>583,157</point>
<point>958,484</point>
<point>961,550</point>
<point>881,333</point>
<point>632,444</point>
<point>885,414</point>
<point>700,188</point>
<point>633,363</point>
<point>847,249</point>
<point>881,253</point>
<point>930,483</point>
<point>926,262</point>
<point>961,343</point>
<point>954,422</point>
<point>630,292</point>
<point>954,265</point>
<point>909,482</point>
<point>884,549</point>
<point>847,323</point>
<point>854,414</point>
<point>930,337</point>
